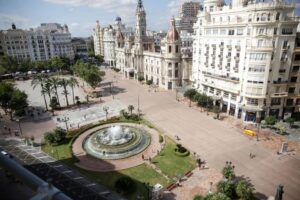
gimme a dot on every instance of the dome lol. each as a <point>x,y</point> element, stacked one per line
<point>118,19</point>
<point>173,34</point>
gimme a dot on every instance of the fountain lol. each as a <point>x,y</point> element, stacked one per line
<point>116,142</point>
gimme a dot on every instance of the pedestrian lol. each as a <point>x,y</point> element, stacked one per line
<point>250,155</point>
<point>149,159</point>
<point>143,157</point>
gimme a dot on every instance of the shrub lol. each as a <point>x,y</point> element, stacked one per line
<point>217,196</point>
<point>227,188</point>
<point>198,197</point>
<point>291,121</point>
<point>244,190</point>
<point>55,137</point>
<point>190,93</point>
<point>270,120</point>
<point>141,78</point>
<point>49,138</point>
<point>149,82</point>
<point>161,139</point>
<point>228,172</point>
<point>125,185</point>
<point>280,127</point>
<point>179,148</point>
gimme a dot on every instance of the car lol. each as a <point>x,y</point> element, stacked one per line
<point>4,153</point>
<point>250,132</point>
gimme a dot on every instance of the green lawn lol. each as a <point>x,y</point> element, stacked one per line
<point>140,174</point>
<point>171,164</point>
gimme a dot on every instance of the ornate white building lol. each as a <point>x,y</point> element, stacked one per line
<point>136,56</point>
<point>45,42</point>
<point>98,39</point>
<point>242,57</point>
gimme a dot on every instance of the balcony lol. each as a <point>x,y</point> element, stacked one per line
<point>279,82</point>
<point>282,70</point>
<point>280,94</point>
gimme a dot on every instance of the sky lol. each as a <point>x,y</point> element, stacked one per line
<point>81,15</point>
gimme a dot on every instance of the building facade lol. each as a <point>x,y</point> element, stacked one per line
<point>43,43</point>
<point>242,57</point>
<point>187,16</point>
<point>81,46</point>
<point>136,55</point>
<point>98,39</point>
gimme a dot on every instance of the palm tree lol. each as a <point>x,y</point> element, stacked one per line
<point>55,84</point>
<point>73,83</point>
<point>48,88</point>
<point>39,80</point>
<point>130,109</point>
<point>64,83</point>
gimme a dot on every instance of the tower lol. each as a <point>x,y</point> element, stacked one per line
<point>141,25</point>
<point>173,57</point>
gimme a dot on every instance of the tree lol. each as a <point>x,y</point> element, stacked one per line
<point>54,104</point>
<point>55,137</point>
<point>73,83</point>
<point>6,91</point>
<point>228,171</point>
<point>39,80</point>
<point>216,110</point>
<point>281,127</point>
<point>130,109</point>
<point>9,64</point>
<point>55,84</point>
<point>244,190</point>
<point>93,79</point>
<point>227,188</point>
<point>190,95</point>
<point>217,196</point>
<point>64,84</point>
<point>198,197</point>
<point>270,120</point>
<point>18,102</point>
<point>47,88</point>
<point>291,121</point>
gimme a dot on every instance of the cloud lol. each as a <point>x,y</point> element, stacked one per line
<point>6,20</point>
<point>120,7</point>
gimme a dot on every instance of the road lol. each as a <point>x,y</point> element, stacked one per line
<point>215,141</point>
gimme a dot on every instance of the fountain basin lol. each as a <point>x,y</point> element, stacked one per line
<point>116,142</point>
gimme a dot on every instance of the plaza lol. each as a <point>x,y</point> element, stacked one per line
<point>214,140</point>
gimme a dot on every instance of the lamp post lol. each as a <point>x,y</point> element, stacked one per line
<point>138,105</point>
<point>65,120</point>
<point>19,123</point>
<point>105,109</point>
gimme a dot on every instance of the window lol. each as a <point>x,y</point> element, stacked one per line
<point>287,31</point>
<point>239,31</point>
<point>170,49</point>
<point>261,31</point>
<point>231,32</point>
<point>170,73</point>
<point>291,90</point>
<point>297,57</point>
<point>275,101</point>
<point>275,31</point>
<point>296,68</point>
<point>298,102</point>
<point>177,49</point>
<point>205,88</point>
<point>252,101</point>
<point>285,44</point>
<point>289,102</point>
<point>226,94</point>
<point>294,79</point>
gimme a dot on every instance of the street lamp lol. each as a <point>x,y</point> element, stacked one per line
<point>19,123</point>
<point>105,109</point>
<point>65,120</point>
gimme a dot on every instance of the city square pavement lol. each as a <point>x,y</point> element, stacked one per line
<point>215,141</point>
